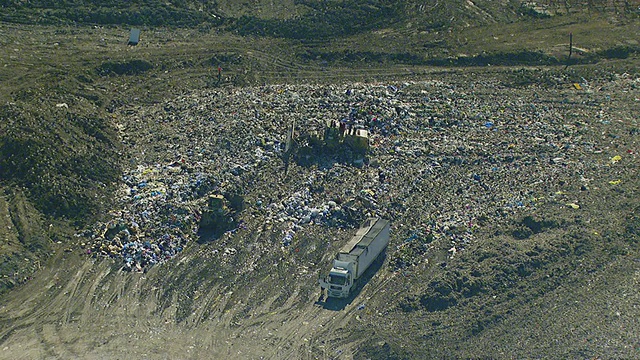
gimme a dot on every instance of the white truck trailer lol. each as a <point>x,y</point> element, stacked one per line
<point>356,256</point>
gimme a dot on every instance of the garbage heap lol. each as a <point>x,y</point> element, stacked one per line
<point>445,158</point>
<point>156,219</point>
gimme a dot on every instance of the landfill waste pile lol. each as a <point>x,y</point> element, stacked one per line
<point>156,220</point>
<point>445,158</point>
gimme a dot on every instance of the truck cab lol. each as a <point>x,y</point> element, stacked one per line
<point>339,281</point>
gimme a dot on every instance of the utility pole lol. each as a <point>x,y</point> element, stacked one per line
<point>570,49</point>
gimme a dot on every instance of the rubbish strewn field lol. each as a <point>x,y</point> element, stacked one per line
<point>155,202</point>
<point>513,206</point>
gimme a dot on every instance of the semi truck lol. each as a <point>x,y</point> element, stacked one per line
<point>356,257</point>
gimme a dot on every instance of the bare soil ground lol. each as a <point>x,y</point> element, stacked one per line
<point>95,311</point>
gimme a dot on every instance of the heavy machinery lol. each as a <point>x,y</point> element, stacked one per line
<point>218,215</point>
<point>369,242</point>
<point>330,139</point>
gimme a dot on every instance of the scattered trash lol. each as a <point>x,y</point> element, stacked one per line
<point>156,220</point>
<point>430,165</point>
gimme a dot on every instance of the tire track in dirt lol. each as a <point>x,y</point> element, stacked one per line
<point>300,332</point>
<point>43,332</point>
<point>92,307</point>
<point>69,301</point>
<point>71,293</point>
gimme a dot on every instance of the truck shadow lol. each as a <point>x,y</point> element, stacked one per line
<point>335,304</point>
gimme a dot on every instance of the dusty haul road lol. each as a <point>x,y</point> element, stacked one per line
<point>95,311</point>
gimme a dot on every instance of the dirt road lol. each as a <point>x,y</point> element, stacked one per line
<point>82,309</point>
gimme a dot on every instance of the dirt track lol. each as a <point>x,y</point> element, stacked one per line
<point>95,311</point>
